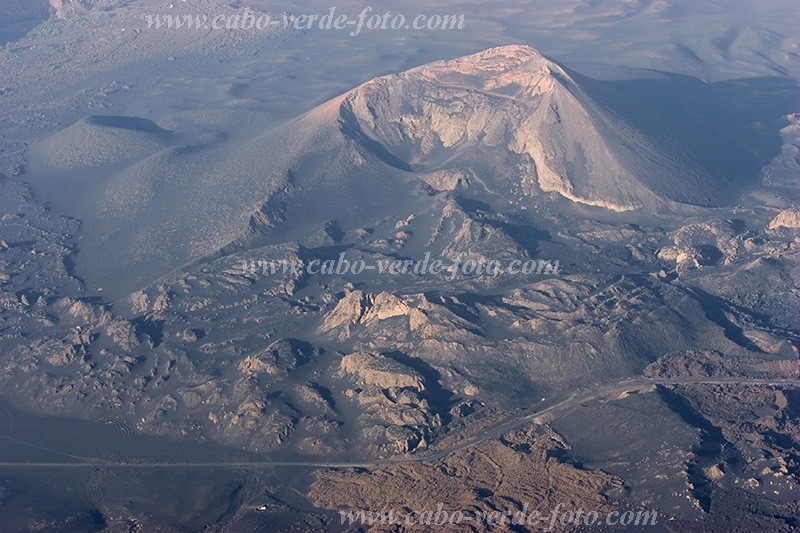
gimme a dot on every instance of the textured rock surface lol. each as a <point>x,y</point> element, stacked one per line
<point>789,218</point>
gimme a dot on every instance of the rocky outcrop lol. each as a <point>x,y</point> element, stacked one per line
<point>713,364</point>
<point>466,237</point>
<point>385,315</point>
<point>705,243</point>
<point>380,371</point>
<point>123,334</point>
<point>67,8</point>
<point>392,396</point>
<point>789,218</point>
<point>279,358</point>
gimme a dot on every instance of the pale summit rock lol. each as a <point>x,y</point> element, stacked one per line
<point>512,108</point>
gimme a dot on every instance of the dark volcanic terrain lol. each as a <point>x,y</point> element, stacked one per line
<point>156,371</point>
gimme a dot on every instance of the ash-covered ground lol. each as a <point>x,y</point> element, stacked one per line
<point>217,306</point>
